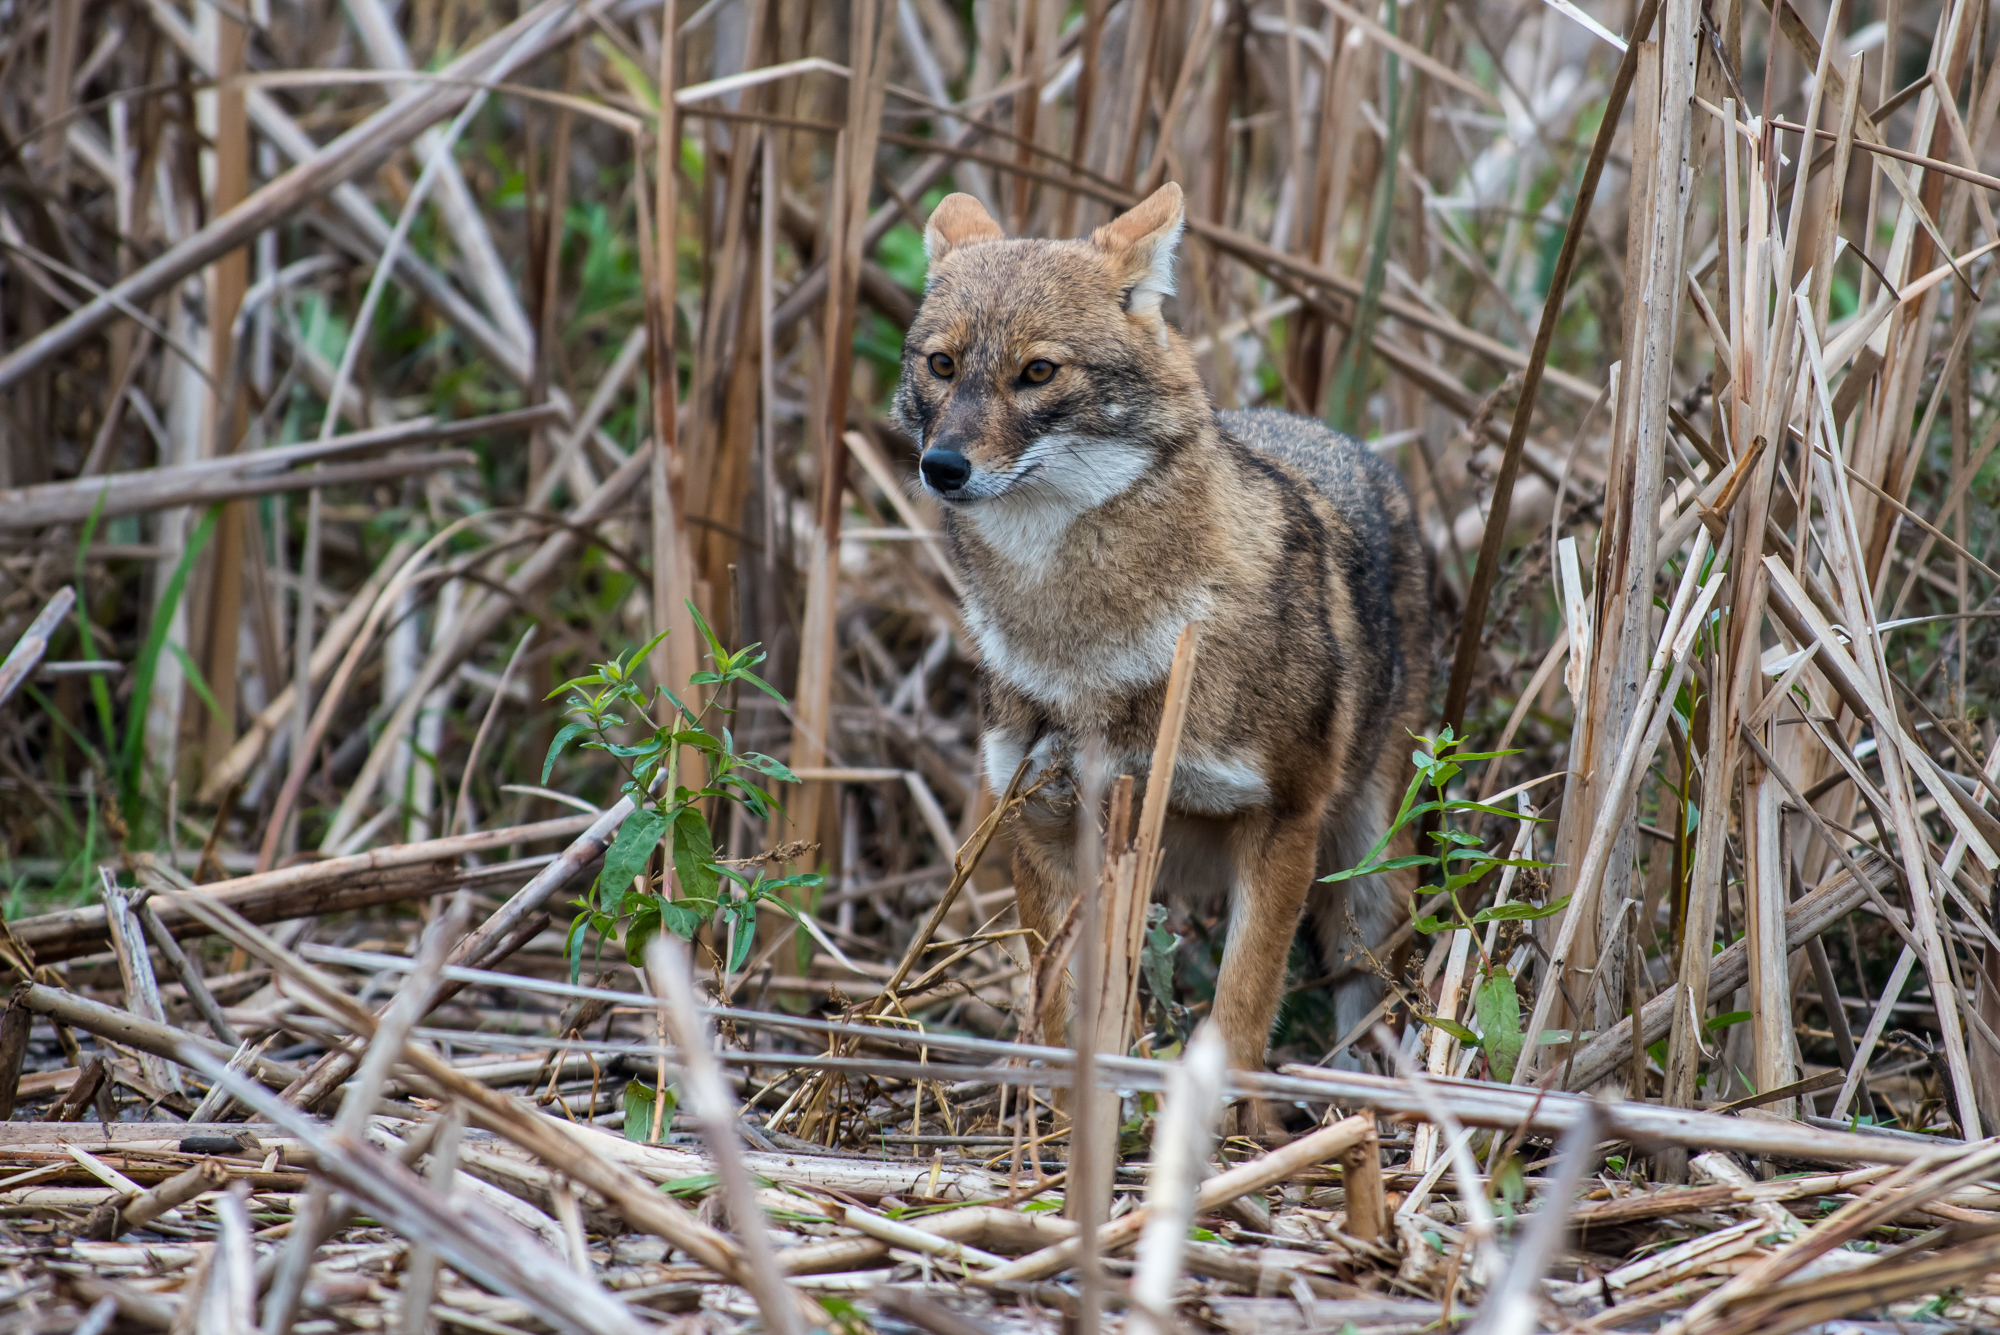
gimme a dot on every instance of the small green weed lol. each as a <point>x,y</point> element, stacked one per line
<point>1459,863</point>
<point>629,901</point>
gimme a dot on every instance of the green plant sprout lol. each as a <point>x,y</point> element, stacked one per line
<point>1461,861</point>
<point>628,900</point>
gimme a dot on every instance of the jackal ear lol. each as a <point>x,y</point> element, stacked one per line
<point>958,220</point>
<point>1139,245</point>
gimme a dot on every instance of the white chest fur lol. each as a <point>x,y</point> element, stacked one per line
<point>1205,783</point>
<point>1072,672</point>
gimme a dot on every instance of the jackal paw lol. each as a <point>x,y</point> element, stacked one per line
<point>1258,1120</point>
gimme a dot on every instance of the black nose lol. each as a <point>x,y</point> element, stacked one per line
<point>945,470</point>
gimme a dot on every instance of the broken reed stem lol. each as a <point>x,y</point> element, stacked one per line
<point>420,1271</point>
<point>671,966</point>
<point>1112,925</point>
<point>1092,1162</point>
<point>1181,1142</point>
<point>546,1139</point>
<point>113,1218</point>
<point>1308,1151</point>
<point>1472,625</point>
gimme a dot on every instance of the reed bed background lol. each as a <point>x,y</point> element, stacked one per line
<point>367,371</point>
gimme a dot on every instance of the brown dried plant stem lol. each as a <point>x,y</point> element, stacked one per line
<point>545,26</point>
<point>1472,625</point>
<point>1107,1022</point>
<point>854,162</point>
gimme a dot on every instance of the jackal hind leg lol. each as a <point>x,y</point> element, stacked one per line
<point>1353,921</point>
<point>1274,868</point>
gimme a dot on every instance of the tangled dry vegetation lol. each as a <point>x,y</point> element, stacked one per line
<point>367,371</point>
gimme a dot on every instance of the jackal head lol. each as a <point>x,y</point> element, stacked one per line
<point>1042,374</point>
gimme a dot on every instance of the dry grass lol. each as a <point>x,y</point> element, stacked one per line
<point>353,395</point>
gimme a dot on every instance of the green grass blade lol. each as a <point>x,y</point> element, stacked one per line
<point>146,667</point>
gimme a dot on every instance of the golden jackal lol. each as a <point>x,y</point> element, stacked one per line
<point>1096,503</point>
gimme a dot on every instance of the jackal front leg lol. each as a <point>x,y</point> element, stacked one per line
<point>1042,896</point>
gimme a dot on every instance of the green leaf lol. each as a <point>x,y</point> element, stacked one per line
<point>1510,1183</point>
<point>147,664</point>
<point>701,624</point>
<point>760,803</point>
<point>639,1100</point>
<point>574,946</point>
<point>640,930</point>
<point>764,764</point>
<point>1520,912</point>
<point>1452,1027</point>
<point>1498,1007</point>
<point>100,690</point>
<point>1726,1019</point>
<point>677,702</point>
<point>626,858</point>
<point>845,1315</point>
<point>1370,868</point>
<point>1461,807</point>
<point>563,734</point>
<point>744,916</point>
<point>1156,958</point>
<point>683,917</point>
<point>577,683</point>
<point>200,683</point>
<point>762,685</point>
<point>652,644</point>
<point>694,852</point>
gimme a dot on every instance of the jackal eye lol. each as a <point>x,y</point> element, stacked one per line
<point>942,365</point>
<point>1038,371</point>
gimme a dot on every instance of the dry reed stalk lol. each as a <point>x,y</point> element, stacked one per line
<point>475,623</point>
<point>25,655</point>
<point>379,876</point>
<point>475,1241</point>
<point>854,160</point>
<point>1131,865</point>
<point>1634,754</point>
<point>670,965</point>
<point>282,131</point>
<point>143,490</point>
<point>135,968</point>
<point>1510,1304</point>
<point>545,1139</point>
<point>1093,1112</point>
<point>538,29</point>
<point>1256,1175</point>
<point>420,1272</point>
<point>1180,1157</point>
